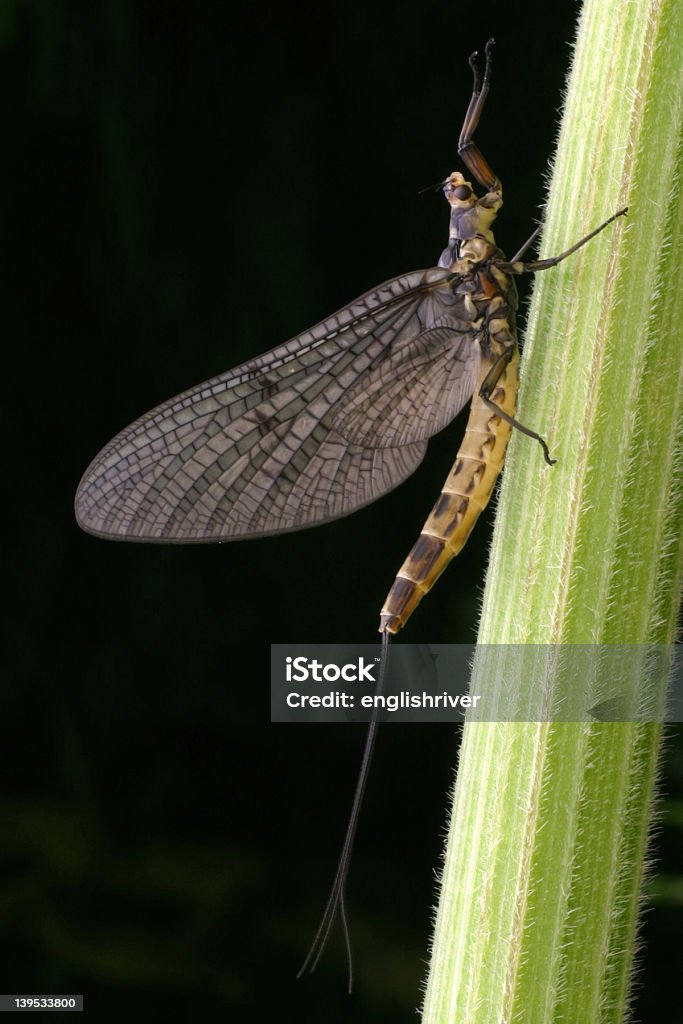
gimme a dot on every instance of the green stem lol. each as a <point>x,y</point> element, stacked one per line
<point>548,834</point>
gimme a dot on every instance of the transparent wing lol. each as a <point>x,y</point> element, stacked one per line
<point>308,432</point>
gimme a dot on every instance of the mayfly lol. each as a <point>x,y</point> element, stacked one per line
<point>340,415</point>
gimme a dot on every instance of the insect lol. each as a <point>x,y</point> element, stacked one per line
<point>340,415</point>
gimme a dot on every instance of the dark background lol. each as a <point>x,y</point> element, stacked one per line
<point>183,187</point>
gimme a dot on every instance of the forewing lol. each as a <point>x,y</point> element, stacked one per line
<point>286,440</point>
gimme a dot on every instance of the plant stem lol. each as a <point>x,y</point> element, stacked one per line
<point>548,834</point>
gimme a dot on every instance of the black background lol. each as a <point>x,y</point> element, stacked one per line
<point>183,187</point>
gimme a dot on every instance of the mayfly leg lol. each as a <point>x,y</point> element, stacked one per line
<point>517,266</point>
<point>468,150</point>
<point>487,388</point>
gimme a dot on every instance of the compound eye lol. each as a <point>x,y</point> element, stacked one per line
<point>462,192</point>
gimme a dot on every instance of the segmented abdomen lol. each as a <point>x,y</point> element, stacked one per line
<point>465,494</point>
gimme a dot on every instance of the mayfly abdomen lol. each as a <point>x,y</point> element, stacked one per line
<point>465,494</point>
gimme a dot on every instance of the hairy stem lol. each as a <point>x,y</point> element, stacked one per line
<point>548,834</point>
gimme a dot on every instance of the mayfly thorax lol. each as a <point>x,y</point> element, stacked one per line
<point>340,415</point>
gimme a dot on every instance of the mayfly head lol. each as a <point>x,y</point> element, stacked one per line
<point>459,192</point>
<point>470,215</point>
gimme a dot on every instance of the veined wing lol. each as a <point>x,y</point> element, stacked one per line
<point>318,427</point>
